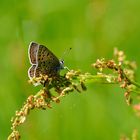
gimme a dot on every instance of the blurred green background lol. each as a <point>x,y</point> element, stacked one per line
<point>92,28</point>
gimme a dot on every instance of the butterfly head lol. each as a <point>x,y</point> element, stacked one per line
<point>61,64</point>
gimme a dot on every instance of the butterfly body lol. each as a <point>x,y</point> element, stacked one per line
<point>43,61</point>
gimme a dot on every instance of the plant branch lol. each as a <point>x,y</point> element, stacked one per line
<point>122,74</point>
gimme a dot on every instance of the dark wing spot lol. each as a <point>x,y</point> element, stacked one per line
<point>43,63</point>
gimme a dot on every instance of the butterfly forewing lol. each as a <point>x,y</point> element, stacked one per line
<point>33,50</point>
<point>47,61</point>
<point>44,54</point>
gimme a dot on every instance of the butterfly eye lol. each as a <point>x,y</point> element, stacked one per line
<point>62,61</point>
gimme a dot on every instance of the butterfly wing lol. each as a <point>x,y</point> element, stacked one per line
<point>48,63</point>
<point>31,71</point>
<point>36,71</point>
<point>32,52</point>
<point>43,61</point>
<point>44,54</point>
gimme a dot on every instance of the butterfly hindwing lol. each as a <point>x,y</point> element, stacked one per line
<point>31,71</point>
<point>46,68</point>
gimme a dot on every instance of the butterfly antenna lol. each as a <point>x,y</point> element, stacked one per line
<point>67,51</point>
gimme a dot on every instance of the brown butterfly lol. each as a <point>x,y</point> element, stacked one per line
<point>43,61</point>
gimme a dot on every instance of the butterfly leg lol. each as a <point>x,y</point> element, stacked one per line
<point>67,68</point>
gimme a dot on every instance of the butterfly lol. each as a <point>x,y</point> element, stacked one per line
<point>43,61</point>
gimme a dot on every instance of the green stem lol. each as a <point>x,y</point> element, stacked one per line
<point>135,83</point>
<point>101,78</point>
<point>135,91</point>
